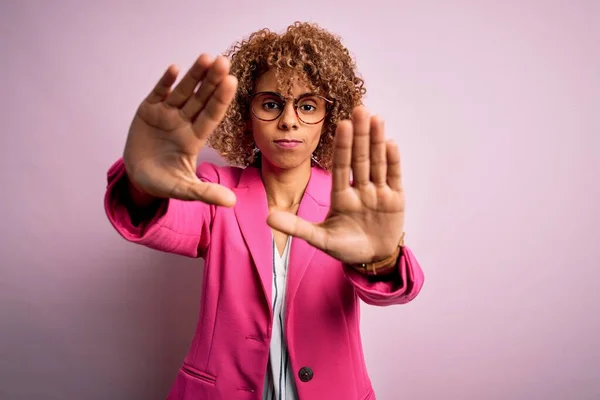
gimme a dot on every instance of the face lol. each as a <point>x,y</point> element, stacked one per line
<point>286,132</point>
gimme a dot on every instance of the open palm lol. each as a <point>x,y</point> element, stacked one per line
<point>366,217</point>
<point>172,125</point>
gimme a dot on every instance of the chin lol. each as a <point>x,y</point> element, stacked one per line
<point>287,162</point>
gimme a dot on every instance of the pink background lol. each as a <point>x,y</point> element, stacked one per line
<point>495,106</point>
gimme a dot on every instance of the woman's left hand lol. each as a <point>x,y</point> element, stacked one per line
<point>366,216</point>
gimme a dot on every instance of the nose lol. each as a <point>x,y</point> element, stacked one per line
<point>288,118</point>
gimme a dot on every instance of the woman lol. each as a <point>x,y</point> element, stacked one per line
<point>290,242</point>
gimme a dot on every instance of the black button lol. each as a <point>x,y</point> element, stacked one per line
<point>305,374</point>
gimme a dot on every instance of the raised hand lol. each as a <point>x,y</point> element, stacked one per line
<point>366,217</point>
<point>172,125</point>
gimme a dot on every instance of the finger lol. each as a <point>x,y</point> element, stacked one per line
<point>360,147</point>
<point>342,156</point>
<point>186,87</point>
<point>394,171</point>
<point>210,193</point>
<point>378,153</point>
<point>215,109</point>
<point>163,86</point>
<point>291,224</point>
<point>218,70</point>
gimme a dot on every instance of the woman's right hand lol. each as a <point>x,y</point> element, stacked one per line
<point>170,128</point>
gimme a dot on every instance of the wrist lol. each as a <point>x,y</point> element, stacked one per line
<point>138,197</point>
<point>383,266</point>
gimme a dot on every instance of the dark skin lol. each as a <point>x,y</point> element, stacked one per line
<point>366,217</point>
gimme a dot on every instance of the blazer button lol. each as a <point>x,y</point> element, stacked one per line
<point>305,374</point>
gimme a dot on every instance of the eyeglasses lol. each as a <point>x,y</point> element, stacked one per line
<point>310,108</point>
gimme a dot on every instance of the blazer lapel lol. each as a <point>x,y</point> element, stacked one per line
<point>314,208</point>
<point>251,211</point>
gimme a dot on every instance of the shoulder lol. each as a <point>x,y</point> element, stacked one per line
<point>227,176</point>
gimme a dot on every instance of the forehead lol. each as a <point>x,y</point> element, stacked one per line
<point>284,82</point>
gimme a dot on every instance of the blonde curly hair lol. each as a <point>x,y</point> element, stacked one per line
<point>313,54</point>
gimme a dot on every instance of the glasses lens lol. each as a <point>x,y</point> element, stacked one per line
<point>269,106</point>
<point>312,109</point>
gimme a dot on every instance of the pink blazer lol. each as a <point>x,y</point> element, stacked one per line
<point>228,356</point>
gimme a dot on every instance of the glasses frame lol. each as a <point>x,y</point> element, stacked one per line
<point>329,103</point>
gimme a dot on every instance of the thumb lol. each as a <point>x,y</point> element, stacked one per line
<point>291,224</point>
<point>211,193</point>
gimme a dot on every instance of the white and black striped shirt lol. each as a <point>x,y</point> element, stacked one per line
<point>279,380</point>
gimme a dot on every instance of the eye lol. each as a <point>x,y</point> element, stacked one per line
<point>307,108</point>
<point>308,105</point>
<point>271,105</point>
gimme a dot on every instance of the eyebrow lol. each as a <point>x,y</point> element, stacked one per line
<point>301,95</point>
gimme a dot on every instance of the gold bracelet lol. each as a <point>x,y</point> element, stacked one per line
<point>371,268</point>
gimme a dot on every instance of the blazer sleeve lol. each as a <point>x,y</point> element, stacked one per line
<point>179,227</point>
<point>400,287</point>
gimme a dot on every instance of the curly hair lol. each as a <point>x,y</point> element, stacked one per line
<point>313,54</point>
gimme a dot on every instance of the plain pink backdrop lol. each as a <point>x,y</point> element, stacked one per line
<point>495,105</point>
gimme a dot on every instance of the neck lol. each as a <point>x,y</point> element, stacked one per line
<point>285,187</point>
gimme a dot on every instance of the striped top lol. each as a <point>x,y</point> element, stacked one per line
<point>279,380</point>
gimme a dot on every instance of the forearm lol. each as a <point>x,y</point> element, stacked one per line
<point>168,225</point>
<point>141,206</point>
<point>399,286</point>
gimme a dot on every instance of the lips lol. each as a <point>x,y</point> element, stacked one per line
<point>287,143</point>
